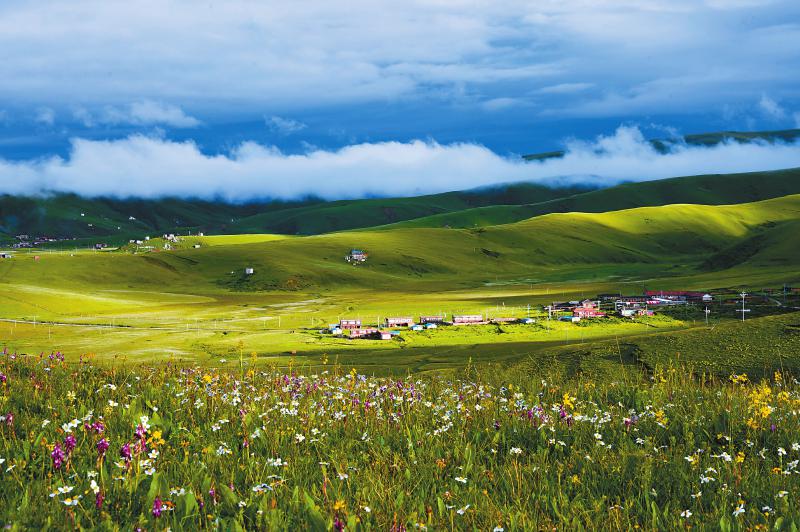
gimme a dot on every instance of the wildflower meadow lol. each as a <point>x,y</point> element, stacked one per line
<point>187,448</point>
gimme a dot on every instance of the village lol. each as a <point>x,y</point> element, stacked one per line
<point>603,306</point>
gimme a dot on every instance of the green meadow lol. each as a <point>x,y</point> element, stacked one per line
<point>197,305</point>
<point>162,385</point>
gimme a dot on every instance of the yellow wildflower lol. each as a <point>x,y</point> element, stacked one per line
<point>568,401</point>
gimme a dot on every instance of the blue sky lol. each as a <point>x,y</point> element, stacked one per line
<point>324,77</point>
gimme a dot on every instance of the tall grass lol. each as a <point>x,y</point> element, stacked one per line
<point>187,448</point>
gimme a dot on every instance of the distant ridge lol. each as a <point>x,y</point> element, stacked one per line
<point>713,189</point>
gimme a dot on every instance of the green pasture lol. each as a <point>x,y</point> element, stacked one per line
<point>198,305</point>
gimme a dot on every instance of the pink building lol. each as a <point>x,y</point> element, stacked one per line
<point>588,309</point>
<point>467,319</point>
<point>399,322</point>
<point>363,333</point>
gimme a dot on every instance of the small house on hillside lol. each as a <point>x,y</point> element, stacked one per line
<point>356,256</point>
<point>249,271</point>
<point>468,319</point>
<point>399,322</point>
<point>350,324</point>
<point>432,319</point>
<point>385,335</point>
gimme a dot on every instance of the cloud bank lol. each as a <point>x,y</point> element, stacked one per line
<point>148,167</point>
<point>583,57</point>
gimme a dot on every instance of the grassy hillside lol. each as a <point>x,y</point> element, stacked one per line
<point>353,214</point>
<point>69,215</point>
<point>757,347</point>
<point>712,189</point>
<point>116,220</point>
<point>198,304</point>
<point>629,242</point>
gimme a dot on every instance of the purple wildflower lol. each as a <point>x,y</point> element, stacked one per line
<point>125,452</point>
<point>158,507</point>
<point>3,378</point>
<point>70,443</point>
<point>102,447</point>
<point>58,456</point>
<point>98,499</point>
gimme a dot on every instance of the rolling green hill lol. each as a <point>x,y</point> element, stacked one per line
<point>353,214</point>
<point>117,220</point>
<point>671,240</point>
<point>712,189</point>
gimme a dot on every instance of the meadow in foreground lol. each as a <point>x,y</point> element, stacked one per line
<point>187,448</point>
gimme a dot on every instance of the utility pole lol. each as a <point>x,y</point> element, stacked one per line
<point>743,310</point>
<point>707,313</point>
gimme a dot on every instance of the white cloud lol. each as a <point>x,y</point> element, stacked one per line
<point>771,108</point>
<point>284,126</point>
<point>151,167</point>
<point>138,113</point>
<point>46,116</point>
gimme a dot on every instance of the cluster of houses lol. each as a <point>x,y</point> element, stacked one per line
<point>27,242</point>
<point>387,329</point>
<point>625,306</point>
<point>170,239</point>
